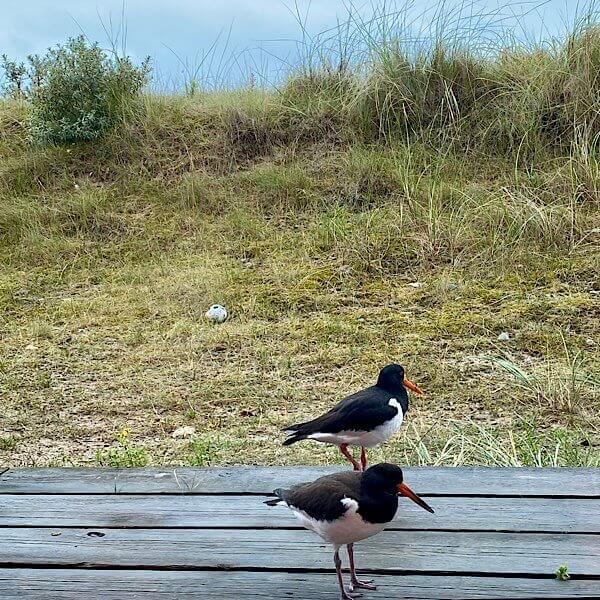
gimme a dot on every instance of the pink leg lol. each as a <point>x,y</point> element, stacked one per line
<point>344,595</point>
<point>357,583</point>
<point>344,450</point>
<point>363,458</point>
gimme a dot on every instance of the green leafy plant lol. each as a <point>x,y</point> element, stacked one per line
<point>562,573</point>
<point>77,90</point>
<point>8,443</point>
<point>203,452</point>
<point>123,453</point>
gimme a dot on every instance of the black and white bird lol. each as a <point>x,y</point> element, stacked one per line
<point>366,418</point>
<point>347,507</point>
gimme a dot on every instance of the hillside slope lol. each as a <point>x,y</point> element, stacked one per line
<point>336,249</point>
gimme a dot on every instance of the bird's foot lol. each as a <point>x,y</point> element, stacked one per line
<point>348,595</point>
<point>363,584</point>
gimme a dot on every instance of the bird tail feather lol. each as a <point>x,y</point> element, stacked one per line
<point>279,492</point>
<point>294,437</point>
<point>294,428</point>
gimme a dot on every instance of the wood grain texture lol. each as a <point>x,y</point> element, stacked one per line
<point>262,480</point>
<point>74,584</point>
<point>164,533</point>
<point>460,553</point>
<point>487,514</point>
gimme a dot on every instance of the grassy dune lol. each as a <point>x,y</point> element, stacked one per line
<point>410,211</point>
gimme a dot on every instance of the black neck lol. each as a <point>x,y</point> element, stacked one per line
<point>377,504</point>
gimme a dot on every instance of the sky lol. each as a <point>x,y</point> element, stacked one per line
<point>228,41</point>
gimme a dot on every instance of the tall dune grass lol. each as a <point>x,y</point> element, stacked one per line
<point>518,101</point>
<point>467,86</point>
<point>391,198</point>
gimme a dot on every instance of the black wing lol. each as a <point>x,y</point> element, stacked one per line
<point>362,411</point>
<point>322,499</point>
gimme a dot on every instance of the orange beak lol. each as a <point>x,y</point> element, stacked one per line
<point>413,387</point>
<point>404,490</point>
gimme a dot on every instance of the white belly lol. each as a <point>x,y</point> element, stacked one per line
<point>368,439</point>
<point>350,528</point>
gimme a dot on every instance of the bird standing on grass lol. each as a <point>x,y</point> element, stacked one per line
<point>364,419</point>
<point>347,507</point>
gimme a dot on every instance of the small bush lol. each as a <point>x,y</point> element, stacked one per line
<point>77,91</point>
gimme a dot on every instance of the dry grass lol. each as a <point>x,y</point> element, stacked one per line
<point>103,298</point>
<point>309,216</point>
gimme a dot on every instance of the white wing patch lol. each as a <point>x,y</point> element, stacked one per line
<point>350,503</point>
<point>393,402</point>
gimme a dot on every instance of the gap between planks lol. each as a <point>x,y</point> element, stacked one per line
<point>284,550</point>
<point>90,566</point>
<point>289,528</point>
<point>266,496</point>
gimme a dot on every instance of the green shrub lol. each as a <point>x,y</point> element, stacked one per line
<point>77,91</point>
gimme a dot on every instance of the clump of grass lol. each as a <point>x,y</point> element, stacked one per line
<point>317,104</point>
<point>517,101</point>
<point>466,442</point>
<point>435,91</point>
<point>123,453</point>
<point>202,453</point>
<point>528,446</point>
<point>8,443</point>
<point>575,95</point>
<point>553,386</point>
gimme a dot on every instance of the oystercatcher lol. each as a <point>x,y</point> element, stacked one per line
<point>344,508</point>
<point>363,419</point>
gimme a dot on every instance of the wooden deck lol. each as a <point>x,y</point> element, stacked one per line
<point>192,533</point>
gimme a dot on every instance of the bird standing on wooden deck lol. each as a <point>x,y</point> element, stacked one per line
<point>364,419</point>
<point>344,508</point>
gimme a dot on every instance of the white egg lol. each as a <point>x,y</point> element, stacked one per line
<point>216,313</point>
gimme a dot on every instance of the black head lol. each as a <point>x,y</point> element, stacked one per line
<point>387,478</point>
<point>393,380</point>
<point>384,476</point>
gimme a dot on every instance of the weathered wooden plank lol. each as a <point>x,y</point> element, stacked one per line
<point>73,584</point>
<point>460,553</point>
<point>487,514</point>
<point>483,481</point>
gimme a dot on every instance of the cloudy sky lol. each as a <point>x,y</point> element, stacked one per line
<point>226,40</point>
